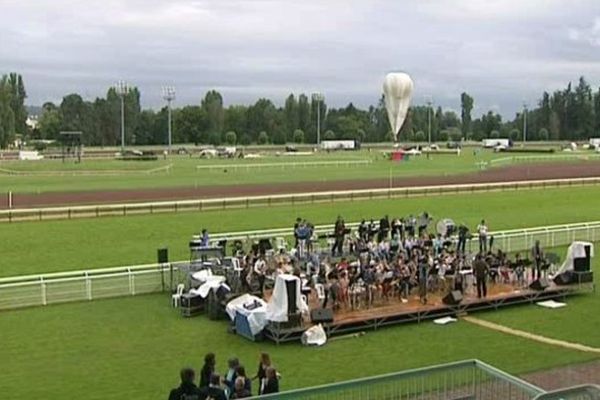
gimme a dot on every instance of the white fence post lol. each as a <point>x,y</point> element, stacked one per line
<point>43,287</point>
<point>131,282</point>
<point>88,286</point>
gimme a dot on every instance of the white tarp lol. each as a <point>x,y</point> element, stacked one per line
<point>257,316</point>
<point>30,155</point>
<point>212,282</point>
<point>576,250</point>
<point>551,304</point>
<point>277,308</point>
<point>314,336</point>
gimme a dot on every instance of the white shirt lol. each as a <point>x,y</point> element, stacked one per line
<point>259,267</point>
<point>482,229</point>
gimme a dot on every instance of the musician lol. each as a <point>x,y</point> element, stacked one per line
<point>296,225</point>
<point>339,233</point>
<point>260,270</point>
<point>423,268</point>
<point>384,228</point>
<point>363,230</point>
<point>463,232</point>
<point>481,270</point>
<point>537,255</point>
<point>482,232</point>
<point>424,221</point>
<point>205,239</point>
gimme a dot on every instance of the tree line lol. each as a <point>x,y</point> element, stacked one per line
<point>572,113</point>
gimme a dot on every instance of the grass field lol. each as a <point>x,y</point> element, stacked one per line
<point>183,172</point>
<point>133,347</point>
<point>37,247</point>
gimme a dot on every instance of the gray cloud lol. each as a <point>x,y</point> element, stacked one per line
<point>502,52</point>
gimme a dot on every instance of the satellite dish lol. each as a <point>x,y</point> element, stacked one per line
<point>445,227</point>
<point>397,90</point>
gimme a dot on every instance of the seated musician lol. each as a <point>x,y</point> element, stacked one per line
<point>205,239</point>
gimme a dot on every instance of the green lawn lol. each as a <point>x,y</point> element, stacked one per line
<point>38,247</point>
<point>134,347</point>
<point>577,322</point>
<point>184,172</point>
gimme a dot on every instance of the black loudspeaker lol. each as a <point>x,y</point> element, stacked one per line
<point>163,255</point>
<point>539,284</point>
<point>290,287</point>
<point>321,316</point>
<point>453,298</point>
<point>566,278</point>
<point>583,264</point>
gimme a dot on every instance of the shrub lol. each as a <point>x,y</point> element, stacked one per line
<point>263,138</point>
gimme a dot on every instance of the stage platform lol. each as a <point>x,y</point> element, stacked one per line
<point>393,311</point>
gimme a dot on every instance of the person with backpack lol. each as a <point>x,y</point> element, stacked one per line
<point>187,390</point>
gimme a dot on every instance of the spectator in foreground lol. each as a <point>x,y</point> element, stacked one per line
<point>261,374</point>
<point>240,391</point>
<point>207,370</point>
<point>187,390</point>
<point>214,391</point>
<point>271,382</point>
<point>231,374</point>
<point>241,373</point>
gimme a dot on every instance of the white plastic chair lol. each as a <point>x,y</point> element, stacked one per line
<point>176,297</point>
<point>320,291</point>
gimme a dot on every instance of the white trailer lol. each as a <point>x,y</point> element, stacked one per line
<point>339,145</point>
<point>491,143</point>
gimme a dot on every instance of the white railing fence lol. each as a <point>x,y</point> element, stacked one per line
<point>39,290</point>
<point>105,210</point>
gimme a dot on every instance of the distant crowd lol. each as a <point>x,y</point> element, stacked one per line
<point>234,384</point>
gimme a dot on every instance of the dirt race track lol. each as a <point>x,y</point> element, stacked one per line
<point>512,173</point>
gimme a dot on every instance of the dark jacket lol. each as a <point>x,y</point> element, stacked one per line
<point>205,374</point>
<point>187,391</point>
<point>480,269</point>
<point>271,386</point>
<point>241,395</point>
<point>214,393</point>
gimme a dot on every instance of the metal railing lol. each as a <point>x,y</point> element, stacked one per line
<point>471,379</point>
<point>542,158</point>
<point>284,165</point>
<point>44,289</point>
<point>89,211</point>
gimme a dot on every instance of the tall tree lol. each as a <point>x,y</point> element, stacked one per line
<point>291,119</point>
<point>7,116</point>
<point>466,106</point>
<point>17,103</point>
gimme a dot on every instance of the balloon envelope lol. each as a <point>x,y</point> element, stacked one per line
<point>397,90</point>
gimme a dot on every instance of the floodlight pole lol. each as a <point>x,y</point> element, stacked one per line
<point>122,90</point>
<point>169,96</point>
<point>318,98</point>
<point>524,122</point>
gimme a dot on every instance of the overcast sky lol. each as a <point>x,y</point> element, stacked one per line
<point>501,52</point>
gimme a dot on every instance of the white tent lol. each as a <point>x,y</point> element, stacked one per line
<point>277,308</point>
<point>576,250</point>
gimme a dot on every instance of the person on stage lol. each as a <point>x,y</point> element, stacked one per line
<point>537,255</point>
<point>339,233</point>
<point>482,232</point>
<point>481,270</point>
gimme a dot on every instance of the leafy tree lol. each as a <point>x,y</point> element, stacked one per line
<point>17,102</point>
<point>419,136</point>
<point>212,104</point>
<point>298,136</point>
<point>514,134</point>
<point>329,135</point>
<point>455,134</point>
<point>444,135</point>
<point>543,134</point>
<point>214,138</point>
<point>230,137</point>
<point>291,117</point>
<point>494,134</point>
<point>49,122</point>
<point>263,137</point>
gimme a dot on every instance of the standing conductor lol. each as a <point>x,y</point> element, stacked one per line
<point>481,269</point>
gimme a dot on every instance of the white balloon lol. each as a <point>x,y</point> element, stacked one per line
<point>397,90</point>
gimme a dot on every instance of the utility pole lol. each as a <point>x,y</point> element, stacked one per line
<point>429,102</point>
<point>169,96</point>
<point>318,98</point>
<point>524,122</point>
<point>122,90</point>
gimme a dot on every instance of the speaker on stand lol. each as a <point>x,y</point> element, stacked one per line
<point>162,256</point>
<point>453,298</point>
